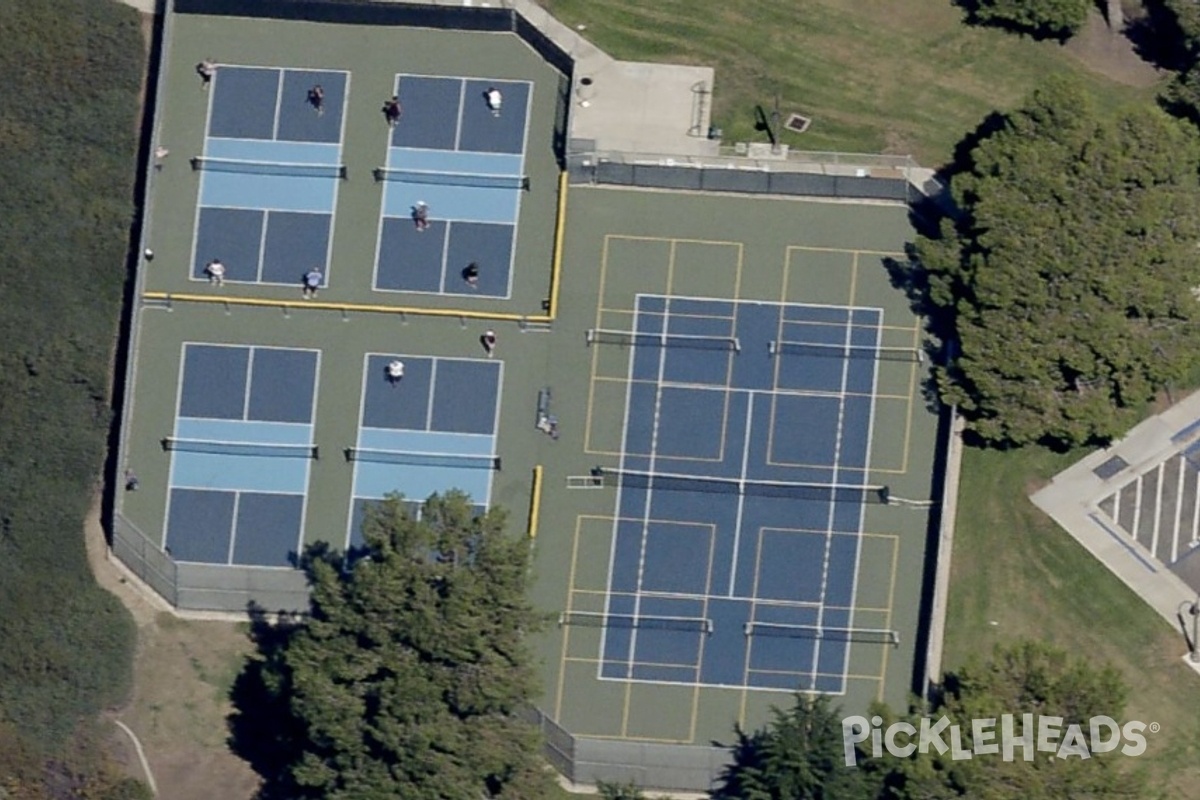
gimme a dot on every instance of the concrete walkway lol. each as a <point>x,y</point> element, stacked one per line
<point>1074,496</point>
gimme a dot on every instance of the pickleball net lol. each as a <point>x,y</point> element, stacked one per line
<point>280,168</point>
<point>599,619</point>
<point>647,339</point>
<point>819,492</point>
<point>478,180</point>
<point>415,459</point>
<point>908,354</point>
<point>862,635</point>
<point>213,447</point>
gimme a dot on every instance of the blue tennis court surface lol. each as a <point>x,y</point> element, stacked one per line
<point>466,164</point>
<point>430,431</point>
<point>269,174</point>
<point>735,553</point>
<point>241,451</point>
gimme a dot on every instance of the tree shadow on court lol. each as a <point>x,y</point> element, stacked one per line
<point>262,730</point>
<point>937,216</point>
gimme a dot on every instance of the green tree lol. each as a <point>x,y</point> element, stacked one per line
<point>1043,19</point>
<point>1068,278</point>
<point>1024,678</point>
<point>408,678</point>
<point>798,755</point>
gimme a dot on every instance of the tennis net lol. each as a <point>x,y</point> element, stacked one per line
<point>645,339</point>
<point>422,459</point>
<point>204,163</point>
<point>864,635</point>
<point>910,354</point>
<point>452,178</point>
<point>240,448</point>
<point>596,619</point>
<point>820,492</point>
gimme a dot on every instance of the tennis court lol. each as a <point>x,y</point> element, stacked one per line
<point>451,153</point>
<point>735,553</point>
<point>431,430</point>
<point>757,472</point>
<point>269,174</point>
<point>240,454</point>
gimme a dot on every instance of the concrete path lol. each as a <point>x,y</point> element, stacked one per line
<point>1074,495</point>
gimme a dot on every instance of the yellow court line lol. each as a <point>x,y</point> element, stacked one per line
<point>673,240</point>
<point>559,233</point>
<point>625,709</point>
<point>712,549</point>
<point>853,279</point>
<point>912,390</point>
<point>749,645</point>
<point>287,305</point>
<point>883,666</point>
<point>616,738</point>
<point>591,403</point>
<point>846,250</point>
<point>584,660</point>
<point>535,502</point>
<point>566,631</point>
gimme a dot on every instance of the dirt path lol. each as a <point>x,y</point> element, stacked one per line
<point>1111,54</point>
<point>183,670</point>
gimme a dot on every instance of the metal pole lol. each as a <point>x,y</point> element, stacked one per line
<point>1195,612</point>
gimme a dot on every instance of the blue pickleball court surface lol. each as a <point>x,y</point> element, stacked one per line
<point>240,471</point>
<point>735,555</point>
<point>431,431</point>
<point>466,165</point>
<point>269,174</point>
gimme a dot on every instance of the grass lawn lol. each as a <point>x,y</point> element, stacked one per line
<point>874,75</point>
<point>1016,574</point>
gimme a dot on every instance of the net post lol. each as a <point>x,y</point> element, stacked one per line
<point>462,321</point>
<point>737,344</point>
<point>590,336</point>
<point>196,163</point>
<point>343,173</point>
<point>772,348</point>
<point>228,308</point>
<point>287,311</point>
<point>348,453</point>
<point>345,315</point>
<point>525,183</point>
<point>379,174</point>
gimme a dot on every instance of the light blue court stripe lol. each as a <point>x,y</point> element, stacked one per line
<point>274,152</point>
<point>463,444</point>
<point>374,481</point>
<point>234,430</point>
<point>239,473</point>
<point>473,203</point>
<point>450,161</point>
<point>276,192</point>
